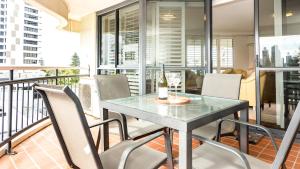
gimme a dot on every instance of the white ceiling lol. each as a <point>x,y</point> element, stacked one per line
<point>236,17</point>
<point>80,8</point>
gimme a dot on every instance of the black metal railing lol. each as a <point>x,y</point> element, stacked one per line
<point>21,107</point>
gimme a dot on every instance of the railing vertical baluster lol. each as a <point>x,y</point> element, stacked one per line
<point>28,84</point>
<point>37,104</point>
<point>10,110</point>
<point>12,100</point>
<point>43,101</point>
<point>22,122</point>
<point>17,107</point>
<point>56,75</point>
<point>3,113</point>
<point>32,108</point>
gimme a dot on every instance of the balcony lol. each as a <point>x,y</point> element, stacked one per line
<point>193,39</point>
<point>29,133</point>
<point>42,150</point>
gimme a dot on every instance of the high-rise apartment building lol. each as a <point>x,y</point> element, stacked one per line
<point>20,26</point>
<point>3,26</point>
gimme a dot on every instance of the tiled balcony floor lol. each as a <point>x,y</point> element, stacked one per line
<point>42,151</point>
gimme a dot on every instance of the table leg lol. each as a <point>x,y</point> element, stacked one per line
<point>104,131</point>
<point>185,150</point>
<point>244,132</point>
<point>124,123</point>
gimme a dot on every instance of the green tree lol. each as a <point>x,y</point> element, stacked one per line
<point>75,62</point>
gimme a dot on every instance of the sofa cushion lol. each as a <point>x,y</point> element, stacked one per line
<point>236,71</point>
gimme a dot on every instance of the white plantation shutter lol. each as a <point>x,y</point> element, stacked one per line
<point>222,53</point>
<point>133,80</point>
<point>215,53</point>
<point>129,36</point>
<point>194,52</point>
<point>108,40</point>
<point>171,34</point>
<point>226,52</point>
<point>129,45</point>
<point>170,41</point>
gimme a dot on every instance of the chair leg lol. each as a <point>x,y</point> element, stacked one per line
<point>168,146</point>
<point>98,139</point>
<point>171,133</point>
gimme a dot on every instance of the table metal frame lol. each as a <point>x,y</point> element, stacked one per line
<point>184,127</point>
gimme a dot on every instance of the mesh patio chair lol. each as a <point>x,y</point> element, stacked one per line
<point>75,137</point>
<point>117,86</point>
<point>214,155</point>
<point>225,86</point>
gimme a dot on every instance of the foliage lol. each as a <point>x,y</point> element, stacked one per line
<point>75,62</point>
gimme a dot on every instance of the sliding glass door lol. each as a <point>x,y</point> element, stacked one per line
<point>278,67</point>
<point>176,38</point>
<point>120,44</point>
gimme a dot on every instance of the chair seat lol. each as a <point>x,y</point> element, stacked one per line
<point>137,127</point>
<point>210,130</point>
<point>210,157</point>
<point>143,157</point>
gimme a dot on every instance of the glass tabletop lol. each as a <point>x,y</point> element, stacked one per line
<point>199,106</point>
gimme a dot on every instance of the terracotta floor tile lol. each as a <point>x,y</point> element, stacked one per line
<point>43,151</point>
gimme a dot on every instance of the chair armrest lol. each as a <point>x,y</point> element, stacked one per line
<point>252,125</point>
<point>241,156</point>
<point>109,121</point>
<point>134,146</point>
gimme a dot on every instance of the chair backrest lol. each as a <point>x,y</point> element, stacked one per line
<point>288,139</point>
<point>70,125</point>
<point>112,86</point>
<point>222,85</point>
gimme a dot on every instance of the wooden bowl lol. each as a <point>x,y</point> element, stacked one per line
<point>179,100</point>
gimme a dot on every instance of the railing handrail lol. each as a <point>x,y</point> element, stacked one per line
<point>4,67</point>
<point>24,80</point>
<point>10,83</point>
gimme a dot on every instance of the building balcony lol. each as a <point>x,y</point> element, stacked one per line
<point>192,39</point>
<point>31,136</point>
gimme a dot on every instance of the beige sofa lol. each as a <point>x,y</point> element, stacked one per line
<point>248,92</point>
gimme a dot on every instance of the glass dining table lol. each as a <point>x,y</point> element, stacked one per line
<point>200,111</point>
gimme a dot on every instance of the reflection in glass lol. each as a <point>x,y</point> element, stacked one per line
<point>133,80</point>
<point>222,54</point>
<point>191,80</point>
<point>129,35</point>
<point>175,37</point>
<point>279,33</point>
<point>280,47</point>
<point>108,39</point>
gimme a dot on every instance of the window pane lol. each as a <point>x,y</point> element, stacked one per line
<point>279,24</point>
<point>133,80</point>
<point>108,39</point>
<point>129,36</point>
<point>175,37</point>
<point>191,80</point>
<point>279,33</point>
